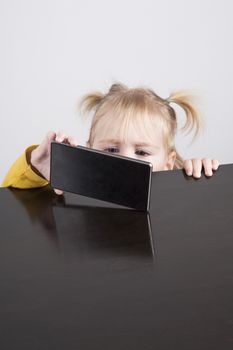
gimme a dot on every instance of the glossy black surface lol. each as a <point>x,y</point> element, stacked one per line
<point>77,273</point>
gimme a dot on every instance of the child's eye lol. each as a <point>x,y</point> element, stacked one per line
<point>142,153</point>
<point>111,150</point>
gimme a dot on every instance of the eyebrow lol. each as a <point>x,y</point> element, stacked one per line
<point>115,141</point>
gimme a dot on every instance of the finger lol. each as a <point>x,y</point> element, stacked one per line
<point>207,163</point>
<point>188,167</point>
<point>41,152</point>
<point>57,191</point>
<point>60,136</point>
<point>215,164</point>
<point>51,135</point>
<point>197,166</point>
<point>72,141</point>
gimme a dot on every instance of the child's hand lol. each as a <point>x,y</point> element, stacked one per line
<point>194,166</point>
<point>40,156</point>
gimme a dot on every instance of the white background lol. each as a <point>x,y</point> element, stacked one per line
<point>54,51</point>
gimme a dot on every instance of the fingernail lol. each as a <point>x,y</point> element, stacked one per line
<point>189,173</point>
<point>197,175</point>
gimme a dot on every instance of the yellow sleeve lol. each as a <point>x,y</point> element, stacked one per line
<point>21,174</point>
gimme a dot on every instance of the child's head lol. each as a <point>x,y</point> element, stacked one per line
<point>137,123</point>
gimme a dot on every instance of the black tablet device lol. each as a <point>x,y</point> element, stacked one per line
<point>101,175</point>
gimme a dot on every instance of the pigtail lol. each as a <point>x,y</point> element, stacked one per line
<point>90,102</point>
<point>93,100</point>
<point>193,116</point>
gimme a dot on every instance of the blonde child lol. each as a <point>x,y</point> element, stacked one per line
<point>133,122</point>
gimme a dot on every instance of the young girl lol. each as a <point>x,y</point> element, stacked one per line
<point>133,122</point>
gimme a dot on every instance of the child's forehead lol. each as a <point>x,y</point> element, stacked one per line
<point>147,130</point>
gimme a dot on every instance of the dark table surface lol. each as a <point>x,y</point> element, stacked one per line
<point>78,273</point>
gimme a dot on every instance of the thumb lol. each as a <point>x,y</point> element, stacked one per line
<point>59,192</point>
<point>50,136</point>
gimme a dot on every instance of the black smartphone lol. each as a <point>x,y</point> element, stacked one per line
<point>101,175</point>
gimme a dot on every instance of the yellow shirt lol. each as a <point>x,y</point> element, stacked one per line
<point>21,174</point>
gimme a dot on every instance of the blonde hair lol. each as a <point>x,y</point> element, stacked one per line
<point>137,103</point>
